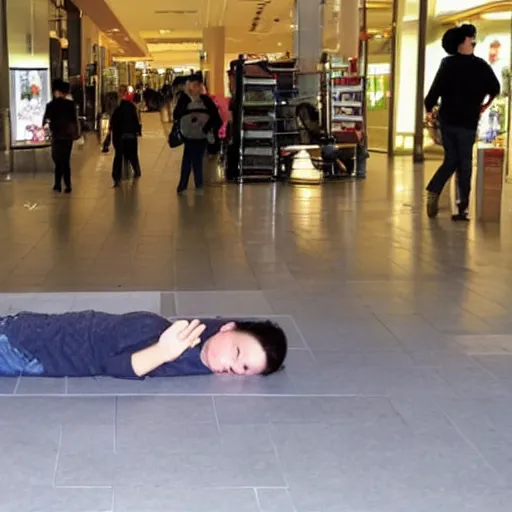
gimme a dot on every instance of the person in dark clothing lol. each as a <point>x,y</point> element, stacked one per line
<point>467,86</point>
<point>199,122</point>
<point>62,117</point>
<point>125,127</point>
<point>136,345</point>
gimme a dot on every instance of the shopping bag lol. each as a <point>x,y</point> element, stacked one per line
<point>175,138</point>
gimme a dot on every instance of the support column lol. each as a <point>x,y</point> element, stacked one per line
<point>214,46</point>
<point>5,128</point>
<point>349,26</point>
<point>308,45</point>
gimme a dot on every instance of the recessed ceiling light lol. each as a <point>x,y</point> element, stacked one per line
<point>115,30</point>
<point>279,44</point>
<point>164,31</point>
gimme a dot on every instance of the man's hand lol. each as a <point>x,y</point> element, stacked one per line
<point>178,338</point>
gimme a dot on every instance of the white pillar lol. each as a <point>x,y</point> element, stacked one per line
<point>349,27</point>
<point>214,45</point>
<point>308,44</point>
<point>308,33</point>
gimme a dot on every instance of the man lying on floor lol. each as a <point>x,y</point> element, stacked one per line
<point>136,345</point>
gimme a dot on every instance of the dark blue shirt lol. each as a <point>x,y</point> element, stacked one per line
<point>91,343</point>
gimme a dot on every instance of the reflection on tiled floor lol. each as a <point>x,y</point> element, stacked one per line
<point>396,393</point>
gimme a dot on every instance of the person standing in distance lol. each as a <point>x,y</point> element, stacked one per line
<point>467,86</point>
<point>199,120</point>
<point>62,117</point>
<point>125,127</point>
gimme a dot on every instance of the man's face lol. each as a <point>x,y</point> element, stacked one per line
<point>234,352</point>
<point>194,88</point>
<point>468,46</point>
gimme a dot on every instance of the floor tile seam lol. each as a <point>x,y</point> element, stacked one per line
<point>204,395</point>
<point>431,324</point>
<point>17,385</point>
<point>57,456</point>
<point>276,455</point>
<point>306,344</point>
<point>478,364</point>
<point>92,487</point>
<point>472,446</point>
<point>216,415</point>
<point>257,498</point>
<point>115,423</point>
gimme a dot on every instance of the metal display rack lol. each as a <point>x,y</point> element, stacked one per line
<point>258,152</point>
<point>251,153</point>
<point>346,97</point>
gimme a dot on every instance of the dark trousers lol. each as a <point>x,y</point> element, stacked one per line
<point>193,156</point>
<point>61,156</point>
<point>125,147</point>
<point>458,157</point>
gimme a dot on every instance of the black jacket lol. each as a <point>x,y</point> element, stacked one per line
<point>62,116</point>
<point>125,120</point>
<point>462,82</point>
<point>215,121</point>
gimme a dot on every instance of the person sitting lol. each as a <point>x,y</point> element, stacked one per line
<point>136,345</point>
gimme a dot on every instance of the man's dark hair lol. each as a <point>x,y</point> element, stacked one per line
<point>455,36</point>
<point>59,85</point>
<point>467,30</point>
<point>196,77</point>
<point>271,338</point>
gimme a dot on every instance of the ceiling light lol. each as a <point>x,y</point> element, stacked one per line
<point>164,31</point>
<point>497,16</point>
<point>115,30</point>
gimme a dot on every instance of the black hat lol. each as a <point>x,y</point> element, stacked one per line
<point>455,36</point>
<point>196,77</point>
<point>58,85</point>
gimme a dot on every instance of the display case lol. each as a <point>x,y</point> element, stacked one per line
<point>30,93</point>
<point>252,147</point>
<point>347,104</point>
<point>258,149</point>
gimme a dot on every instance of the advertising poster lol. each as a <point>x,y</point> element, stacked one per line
<point>29,97</point>
<point>495,49</point>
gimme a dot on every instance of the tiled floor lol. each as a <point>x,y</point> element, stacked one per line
<point>396,394</point>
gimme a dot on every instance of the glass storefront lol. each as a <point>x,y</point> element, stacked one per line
<point>494,30</point>
<point>378,94</point>
<point>493,20</point>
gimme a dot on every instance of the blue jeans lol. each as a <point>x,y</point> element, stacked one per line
<point>458,157</point>
<point>193,156</point>
<point>14,363</point>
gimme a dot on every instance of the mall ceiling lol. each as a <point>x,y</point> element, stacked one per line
<point>170,31</point>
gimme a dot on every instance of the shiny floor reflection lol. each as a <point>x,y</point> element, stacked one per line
<point>396,394</point>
